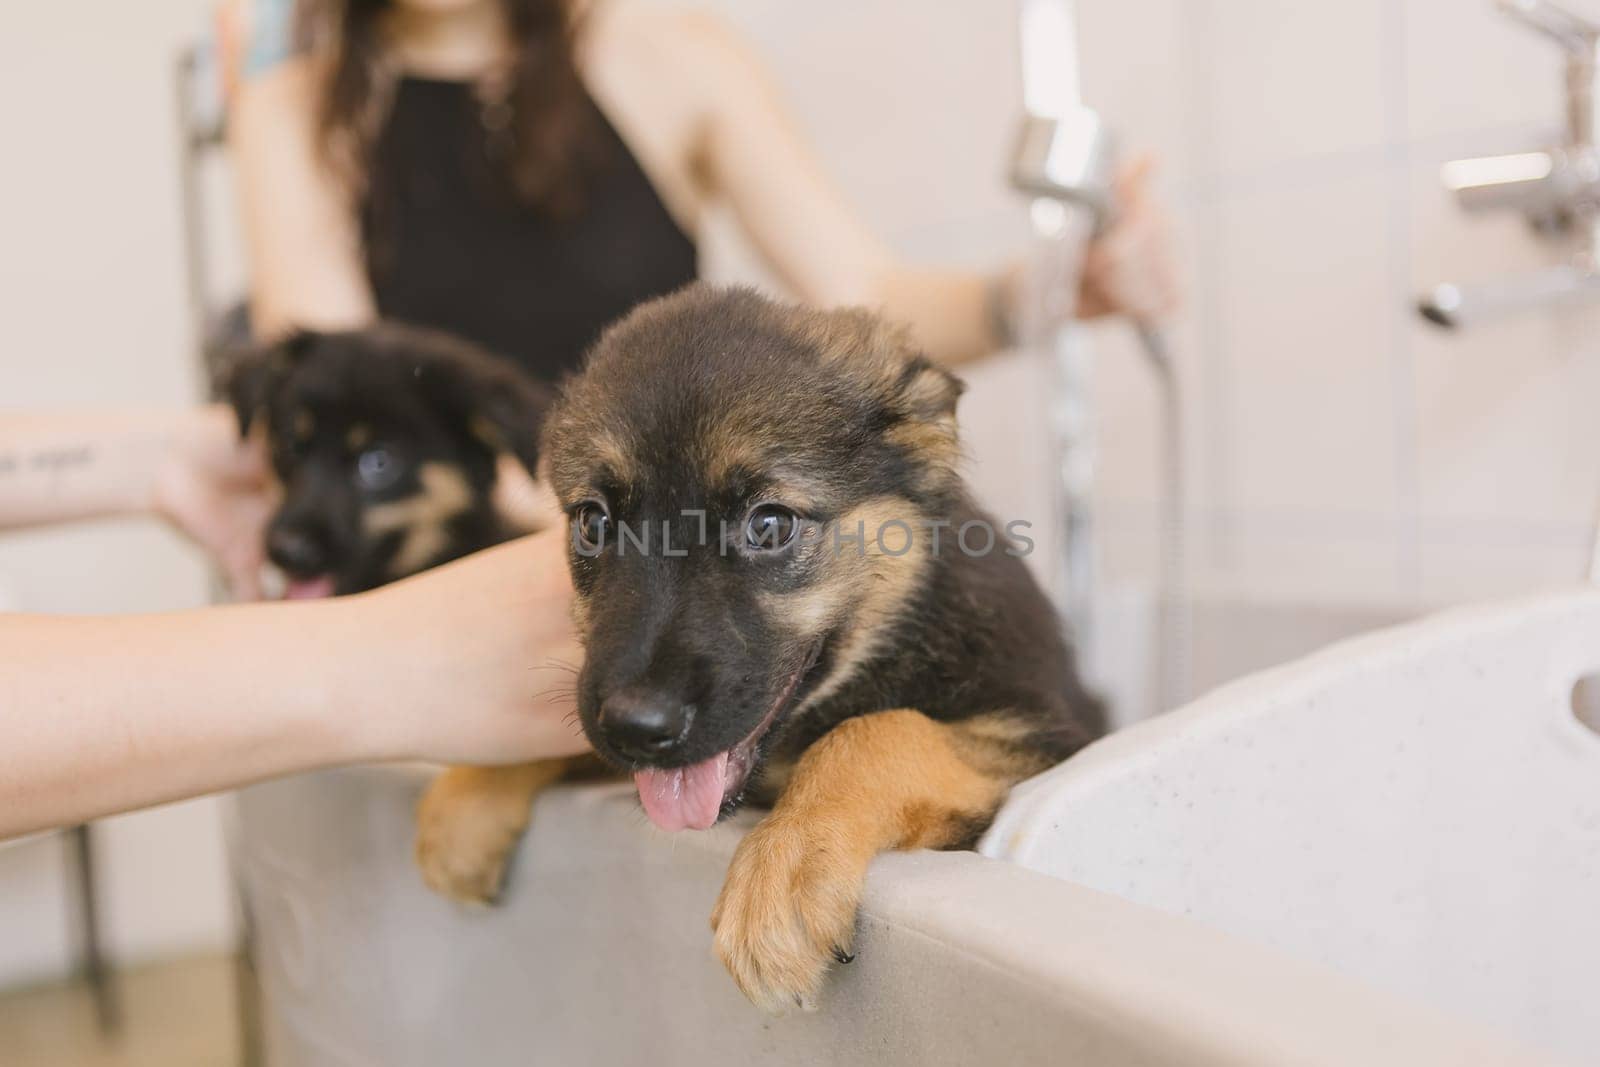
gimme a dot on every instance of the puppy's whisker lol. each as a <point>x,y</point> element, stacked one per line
<point>554,665</point>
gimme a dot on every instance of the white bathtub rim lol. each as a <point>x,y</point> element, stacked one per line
<point>1159,988</point>
<point>1256,696</point>
<point>1178,989</point>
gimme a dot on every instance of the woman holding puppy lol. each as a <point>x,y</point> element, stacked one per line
<point>105,714</point>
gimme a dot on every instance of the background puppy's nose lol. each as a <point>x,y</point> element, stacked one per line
<point>644,725</point>
<point>297,552</point>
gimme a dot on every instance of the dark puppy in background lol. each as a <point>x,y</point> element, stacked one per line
<point>785,595</point>
<point>385,441</point>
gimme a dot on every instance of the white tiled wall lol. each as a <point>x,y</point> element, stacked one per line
<point>1347,451</point>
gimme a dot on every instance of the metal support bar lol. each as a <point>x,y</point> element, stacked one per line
<point>91,953</point>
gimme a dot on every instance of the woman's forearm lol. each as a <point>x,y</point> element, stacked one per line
<point>952,313</point>
<point>54,468</point>
<point>758,161</point>
<point>469,663</point>
<point>106,714</point>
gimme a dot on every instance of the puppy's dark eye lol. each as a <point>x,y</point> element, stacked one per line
<point>591,525</point>
<point>377,469</point>
<point>769,527</point>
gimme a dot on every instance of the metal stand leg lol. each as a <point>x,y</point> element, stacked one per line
<point>247,992</point>
<point>92,963</point>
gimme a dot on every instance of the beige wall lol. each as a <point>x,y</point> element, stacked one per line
<point>1342,454</point>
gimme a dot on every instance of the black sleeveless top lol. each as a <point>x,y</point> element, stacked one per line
<point>449,246</point>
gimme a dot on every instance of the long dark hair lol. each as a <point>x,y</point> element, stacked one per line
<point>537,116</point>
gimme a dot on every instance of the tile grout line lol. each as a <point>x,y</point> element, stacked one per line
<point>1403,370</point>
<point>1212,369</point>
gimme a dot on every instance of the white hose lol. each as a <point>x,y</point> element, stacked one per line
<point>1173,626</point>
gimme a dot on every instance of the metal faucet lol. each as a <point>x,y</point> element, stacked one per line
<point>1557,190</point>
<point>1064,161</point>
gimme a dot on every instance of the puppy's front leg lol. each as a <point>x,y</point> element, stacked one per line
<point>890,780</point>
<point>470,820</point>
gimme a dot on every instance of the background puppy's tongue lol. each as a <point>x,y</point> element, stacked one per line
<point>684,797</point>
<point>309,588</point>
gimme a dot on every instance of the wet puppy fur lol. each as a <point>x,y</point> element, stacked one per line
<point>385,441</point>
<point>880,692</point>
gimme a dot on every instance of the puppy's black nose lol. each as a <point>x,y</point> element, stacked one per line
<point>297,552</point>
<point>643,725</point>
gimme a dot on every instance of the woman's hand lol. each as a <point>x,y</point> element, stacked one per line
<point>1130,269</point>
<point>217,489</point>
<point>472,662</point>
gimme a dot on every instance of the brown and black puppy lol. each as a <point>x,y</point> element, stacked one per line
<point>385,440</point>
<point>787,595</point>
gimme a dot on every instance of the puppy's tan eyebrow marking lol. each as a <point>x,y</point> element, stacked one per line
<point>612,457</point>
<point>724,456</point>
<point>304,425</point>
<point>784,485</point>
<point>800,495</point>
<point>358,436</point>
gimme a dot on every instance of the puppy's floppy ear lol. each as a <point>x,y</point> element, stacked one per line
<point>917,396</point>
<point>883,357</point>
<point>927,391</point>
<point>498,404</point>
<point>922,404</point>
<point>252,375</point>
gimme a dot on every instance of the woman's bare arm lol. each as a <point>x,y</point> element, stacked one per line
<point>301,235</point>
<point>57,468</point>
<point>185,465</point>
<point>757,159</point>
<point>469,663</point>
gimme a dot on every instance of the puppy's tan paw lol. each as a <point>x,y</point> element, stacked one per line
<point>465,837</point>
<point>787,910</point>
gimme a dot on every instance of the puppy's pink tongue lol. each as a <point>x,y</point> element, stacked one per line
<point>309,588</point>
<point>684,797</point>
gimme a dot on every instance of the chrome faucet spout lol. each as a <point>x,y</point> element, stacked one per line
<point>1571,31</point>
<point>1556,190</point>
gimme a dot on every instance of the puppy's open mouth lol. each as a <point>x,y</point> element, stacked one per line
<point>692,798</point>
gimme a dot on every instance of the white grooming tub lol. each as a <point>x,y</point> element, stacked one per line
<point>1418,810</point>
<point>1387,854</point>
